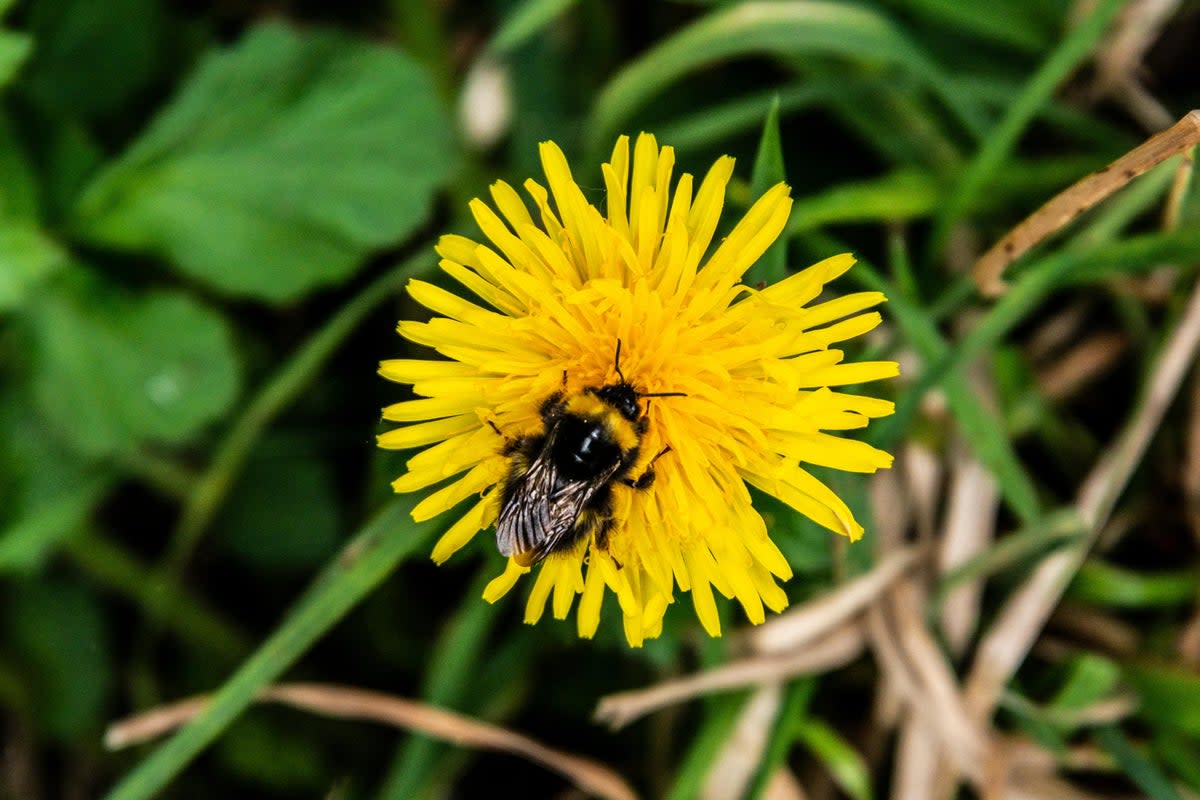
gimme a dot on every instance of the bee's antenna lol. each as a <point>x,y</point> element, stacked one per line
<point>617,362</point>
<point>621,375</point>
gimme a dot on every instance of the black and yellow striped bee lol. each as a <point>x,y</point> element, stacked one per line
<point>559,486</point>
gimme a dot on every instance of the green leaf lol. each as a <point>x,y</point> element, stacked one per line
<point>14,49</point>
<point>1170,696</point>
<point>111,370</point>
<point>526,21</point>
<point>705,745</point>
<point>93,57</point>
<point>844,763</point>
<point>719,121</point>
<point>283,515</point>
<point>768,171</point>
<point>987,436</point>
<point>1140,769</point>
<point>1090,678</point>
<point>56,630</point>
<point>280,165</point>
<point>896,197</point>
<point>25,544</point>
<point>783,733</point>
<point>1182,756</point>
<point>276,757</point>
<point>18,184</point>
<point>452,671</point>
<point>367,560</point>
<point>1031,286</point>
<point>27,257</point>
<point>759,28</point>
<point>47,493</point>
<point>1078,44</point>
<point>1103,584</point>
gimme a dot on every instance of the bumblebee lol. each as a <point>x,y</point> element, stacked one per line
<point>559,487</point>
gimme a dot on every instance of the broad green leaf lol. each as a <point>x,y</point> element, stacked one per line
<point>18,184</point>
<point>757,28</point>
<point>31,538</point>
<point>14,49</point>
<point>27,254</point>
<point>56,630</point>
<point>27,257</point>
<point>47,493</point>
<point>525,21</point>
<point>94,57</point>
<point>367,560</point>
<point>768,171</point>
<point>282,516</point>
<point>112,370</point>
<point>280,165</point>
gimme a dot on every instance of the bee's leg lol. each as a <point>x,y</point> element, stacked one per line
<point>602,529</point>
<point>511,444</point>
<point>646,479</point>
<point>552,408</point>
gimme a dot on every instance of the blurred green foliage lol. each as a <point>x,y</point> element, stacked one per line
<point>207,215</point>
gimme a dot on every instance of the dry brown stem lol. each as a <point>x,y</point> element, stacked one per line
<point>840,647</point>
<point>1079,197</point>
<point>350,703</point>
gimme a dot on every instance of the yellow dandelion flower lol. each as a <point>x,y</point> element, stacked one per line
<point>754,368</point>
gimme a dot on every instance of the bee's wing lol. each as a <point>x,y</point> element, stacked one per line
<point>541,510</point>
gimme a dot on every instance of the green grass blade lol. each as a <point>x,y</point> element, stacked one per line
<point>997,147</point>
<point>366,561</point>
<point>452,667</point>
<point>1027,292</point>
<point>783,733</point>
<point>845,764</point>
<point>768,171</point>
<point>719,721</point>
<point>1049,533</point>
<point>1140,769</point>
<point>985,433</point>
<point>526,21</point>
<point>758,28</point>
<point>1106,585</point>
<point>996,23</point>
<point>292,378</point>
<point>717,122</point>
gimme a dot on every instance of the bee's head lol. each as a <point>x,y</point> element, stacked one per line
<point>623,397</point>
